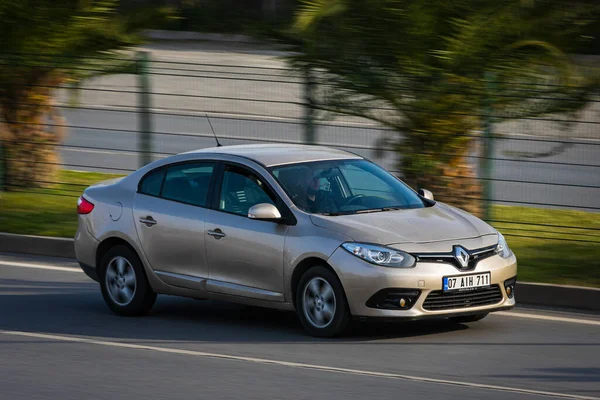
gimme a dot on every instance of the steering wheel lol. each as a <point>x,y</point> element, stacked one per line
<point>351,199</point>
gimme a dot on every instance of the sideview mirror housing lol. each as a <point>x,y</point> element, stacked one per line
<point>426,193</point>
<point>264,212</point>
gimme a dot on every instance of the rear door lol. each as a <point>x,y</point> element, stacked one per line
<point>169,213</point>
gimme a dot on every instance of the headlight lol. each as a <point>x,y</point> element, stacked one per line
<point>502,247</point>
<point>378,255</point>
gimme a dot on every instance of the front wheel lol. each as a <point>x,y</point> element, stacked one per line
<point>321,304</point>
<point>123,282</point>
<point>469,318</point>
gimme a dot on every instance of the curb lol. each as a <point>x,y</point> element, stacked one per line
<point>156,34</point>
<point>538,294</point>
<point>560,296</point>
<point>38,245</point>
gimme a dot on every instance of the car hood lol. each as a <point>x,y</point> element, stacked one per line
<point>431,224</point>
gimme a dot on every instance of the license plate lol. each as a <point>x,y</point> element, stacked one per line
<point>466,281</point>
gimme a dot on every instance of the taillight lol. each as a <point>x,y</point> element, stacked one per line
<point>84,206</point>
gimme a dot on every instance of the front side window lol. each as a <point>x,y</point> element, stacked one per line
<point>188,183</point>
<point>344,187</point>
<point>241,190</point>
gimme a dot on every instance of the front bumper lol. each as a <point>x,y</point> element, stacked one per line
<point>436,316</point>
<point>362,280</point>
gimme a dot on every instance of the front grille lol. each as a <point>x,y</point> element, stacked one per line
<point>448,258</point>
<point>438,300</point>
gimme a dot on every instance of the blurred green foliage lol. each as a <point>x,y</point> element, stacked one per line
<point>251,17</point>
<point>61,28</point>
<point>420,67</point>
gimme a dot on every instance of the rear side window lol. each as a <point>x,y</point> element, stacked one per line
<point>152,182</point>
<point>188,183</point>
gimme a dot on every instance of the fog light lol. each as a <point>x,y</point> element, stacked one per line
<point>509,286</point>
<point>394,299</point>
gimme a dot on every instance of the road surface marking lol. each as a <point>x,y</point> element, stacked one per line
<point>547,317</point>
<point>297,365</point>
<point>38,266</point>
<point>514,314</point>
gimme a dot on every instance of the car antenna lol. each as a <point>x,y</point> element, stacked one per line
<point>213,131</point>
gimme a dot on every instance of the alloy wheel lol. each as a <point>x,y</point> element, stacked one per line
<point>319,302</point>
<point>121,281</point>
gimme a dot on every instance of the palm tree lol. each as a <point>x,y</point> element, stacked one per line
<point>45,44</point>
<point>423,68</point>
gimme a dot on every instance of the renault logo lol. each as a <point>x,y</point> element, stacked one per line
<point>462,256</point>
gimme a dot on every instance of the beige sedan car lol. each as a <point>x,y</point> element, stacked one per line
<point>313,229</point>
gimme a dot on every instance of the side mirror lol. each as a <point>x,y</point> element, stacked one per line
<point>426,193</point>
<point>264,212</point>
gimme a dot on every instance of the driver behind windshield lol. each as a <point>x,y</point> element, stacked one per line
<point>318,199</point>
<point>345,186</point>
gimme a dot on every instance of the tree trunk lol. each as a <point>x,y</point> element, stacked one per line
<point>31,131</point>
<point>451,177</point>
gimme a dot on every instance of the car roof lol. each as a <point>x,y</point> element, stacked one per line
<point>271,155</point>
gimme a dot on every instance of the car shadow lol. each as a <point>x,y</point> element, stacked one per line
<point>78,309</point>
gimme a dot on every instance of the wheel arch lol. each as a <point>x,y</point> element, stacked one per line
<point>304,266</point>
<point>108,244</point>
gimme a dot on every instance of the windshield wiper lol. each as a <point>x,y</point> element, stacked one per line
<point>370,210</point>
<point>335,214</point>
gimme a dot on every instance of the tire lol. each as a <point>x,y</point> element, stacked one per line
<point>469,318</point>
<point>127,292</point>
<point>320,290</point>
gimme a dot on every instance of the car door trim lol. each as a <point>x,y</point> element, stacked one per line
<point>186,281</point>
<point>211,285</point>
<point>242,290</point>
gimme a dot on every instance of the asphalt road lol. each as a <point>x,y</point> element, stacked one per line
<point>525,169</point>
<point>59,341</point>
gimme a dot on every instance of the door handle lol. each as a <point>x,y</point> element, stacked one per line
<point>149,221</point>
<point>217,233</point>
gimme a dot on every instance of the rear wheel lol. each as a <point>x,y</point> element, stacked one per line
<point>321,304</point>
<point>469,318</point>
<point>123,282</point>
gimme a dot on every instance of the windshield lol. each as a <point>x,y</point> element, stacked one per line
<point>344,187</point>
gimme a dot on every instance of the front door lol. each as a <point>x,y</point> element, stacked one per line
<point>169,212</point>
<point>245,256</point>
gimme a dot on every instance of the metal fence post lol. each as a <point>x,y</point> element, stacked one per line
<point>309,111</point>
<point>144,105</point>
<point>488,144</point>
